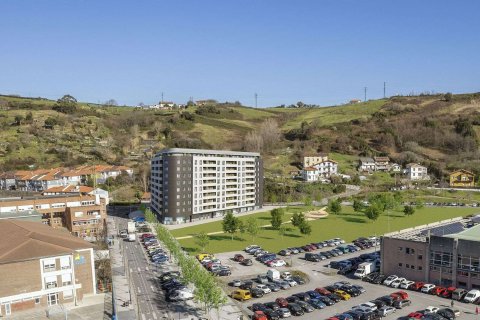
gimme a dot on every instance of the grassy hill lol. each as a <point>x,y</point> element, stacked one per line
<point>441,133</point>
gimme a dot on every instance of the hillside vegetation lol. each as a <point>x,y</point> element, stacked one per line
<point>440,131</point>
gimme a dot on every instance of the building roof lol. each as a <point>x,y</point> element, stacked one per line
<point>416,165</point>
<point>472,233</point>
<point>205,151</point>
<point>462,171</point>
<point>69,189</point>
<point>366,159</point>
<point>27,240</point>
<point>310,169</point>
<point>381,159</point>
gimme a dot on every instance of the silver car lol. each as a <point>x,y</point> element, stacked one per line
<point>386,310</point>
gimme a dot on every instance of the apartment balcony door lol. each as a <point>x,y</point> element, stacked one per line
<point>52,299</point>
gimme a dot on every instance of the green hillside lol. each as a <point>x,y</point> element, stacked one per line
<point>437,131</point>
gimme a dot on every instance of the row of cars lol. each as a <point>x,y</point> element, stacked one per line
<point>265,284</point>
<point>265,257</point>
<point>394,281</point>
<point>389,304</point>
<point>175,289</point>
<point>306,302</point>
<point>153,248</point>
<point>213,265</point>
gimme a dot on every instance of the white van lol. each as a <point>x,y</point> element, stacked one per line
<point>273,274</point>
<point>472,295</point>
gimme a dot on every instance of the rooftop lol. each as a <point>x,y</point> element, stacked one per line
<point>472,233</point>
<point>205,151</point>
<point>27,240</point>
<point>451,227</point>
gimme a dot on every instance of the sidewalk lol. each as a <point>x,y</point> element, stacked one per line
<point>120,283</point>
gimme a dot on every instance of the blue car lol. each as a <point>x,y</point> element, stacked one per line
<point>317,304</point>
<point>139,219</point>
<point>314,294</point>
<point>344,316</point>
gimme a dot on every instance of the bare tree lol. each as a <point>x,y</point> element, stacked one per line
<point>253,142</point>
<point>270,133</point>
<point>111,103</point>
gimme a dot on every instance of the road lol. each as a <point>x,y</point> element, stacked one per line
<point>146,293</point>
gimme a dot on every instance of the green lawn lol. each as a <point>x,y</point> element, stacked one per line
<point>348,226</point>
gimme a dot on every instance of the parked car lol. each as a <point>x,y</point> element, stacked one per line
<point>406,284</point>
<point>472,296</point>
<point>264,288</point>
<point>448,293</point>
<point>282,302</point>
<point>306,306</point>
<point>417,286</point>
<point>431,309</point>
<point>448,314</point>
<point>241,295</point>
<point>386,310</point>
<point>389,280</point>
<point>342,294</point>
<point>317,303</point>
<point>257,293</point>
<point>273,286</point>
<point>298,279</point>
<point>427,287</point>
<point>400,304</point>
<point>295,309</point>
<point>259,315</point>
<point>284,312</point>
<point>399,295</point>
<point>238,258</point>
<point>247,262</point>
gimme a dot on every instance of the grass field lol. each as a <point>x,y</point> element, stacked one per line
<point>348,226</point>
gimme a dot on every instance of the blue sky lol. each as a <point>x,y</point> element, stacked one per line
<point>316,51</point>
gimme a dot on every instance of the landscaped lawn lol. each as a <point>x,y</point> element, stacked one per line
<point>348,226</point>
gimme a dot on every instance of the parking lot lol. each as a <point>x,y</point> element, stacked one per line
<point>320,275</point>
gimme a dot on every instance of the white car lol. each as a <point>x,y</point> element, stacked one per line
<point>370,305</point>
<point>341,241</point>
<point>390,279</point>
<point>236,283</point>
<point>406,284</point>
<point>397,282</point>
<point>286,275</point>
<point>264,288</point>
<point>279,263</point>
<point>291,282</point>
<point>431,309</point>
<point>427,287</point>
<point>472,296</point>
<point>386,310</point>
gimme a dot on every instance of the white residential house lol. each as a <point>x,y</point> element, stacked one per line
<point>366,165</point>
<point>320,171</point>
<point>381,163</point>
<point>414,171</point>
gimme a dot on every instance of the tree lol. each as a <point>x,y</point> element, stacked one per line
<point>270,134</point>
<point>242,227</point>
<point>29,117</point>
<point>253,142</point>
<point>202,240</point>
<point>230,224</point>
<point>420,204</point>
<point>305,228</point>
<point>373,212</point>
<point>408,210</point>
<point>297,219</point>
<point>448,96</point>
<point>252,227</point>
<point>358,205</point>
<point>334,206</point>
<point>282,230</point>
<point>277,218</point>
<point>308,201</point>
<point>398,197</point>
<point>18,119</point>
<point>66,104</point>
<point>111,103</point>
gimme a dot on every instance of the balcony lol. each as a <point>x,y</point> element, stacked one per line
<point>50,285</point>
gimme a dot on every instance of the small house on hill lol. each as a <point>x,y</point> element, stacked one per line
<point>461,179</point>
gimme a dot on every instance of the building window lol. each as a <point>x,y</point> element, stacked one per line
<point>420,257</point>
<point>49,265</point>
<point>412,267</point>
<point>400,248</point>
<point>37,300</point>
<point>420,268</point>
<point>407,265</point>
<point>400,264</point>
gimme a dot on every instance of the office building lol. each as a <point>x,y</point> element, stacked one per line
<point>193,184</point>
<point>445,253</point>
<point>42,267</point>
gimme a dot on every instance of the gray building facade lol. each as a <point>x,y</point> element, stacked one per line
<point>193,184</point>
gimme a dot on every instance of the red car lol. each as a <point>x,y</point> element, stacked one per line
<point>282,302</point>
<point>259,315</point>
<point>238,258</point>
<point>399,295</point>
<point>448,292</point>
<point>437,290</point>
<point>322,291</point>
<point>417,285</point>
<point>146,235</point>
<point>415,315</point>
<point>307,248</point>
<point>333,318</point>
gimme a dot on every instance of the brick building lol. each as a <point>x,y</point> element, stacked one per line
<point>83,215</point>
<point>445,253</point>
<point>42,267</point>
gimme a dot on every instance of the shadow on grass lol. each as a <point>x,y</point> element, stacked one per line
<point>292,235</point>
<point>354,219</point>
<point>268,238</point>
<point>189,250</point>
<point>264,218</point>
<point>225,237</point>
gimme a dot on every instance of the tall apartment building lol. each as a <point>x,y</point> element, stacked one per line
<point>83,215</point>
<point>42,267</point>
<point>193,184</point>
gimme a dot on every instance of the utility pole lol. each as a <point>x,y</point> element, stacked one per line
<point>162,97</point>
<point>384,89</point>
<point>256,99</point>
<point>365,94</point>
